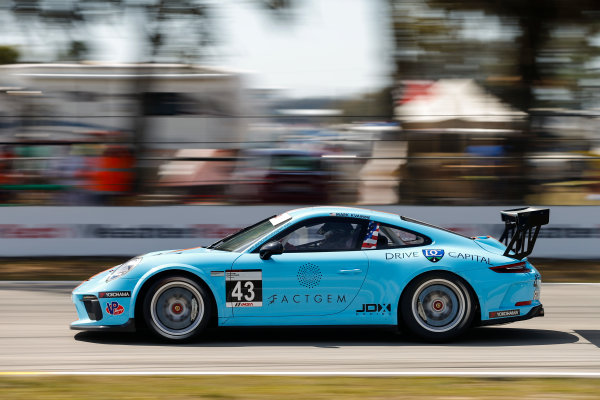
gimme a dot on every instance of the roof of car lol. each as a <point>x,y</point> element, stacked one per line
<point>352,212</point>
<point>380,216</point>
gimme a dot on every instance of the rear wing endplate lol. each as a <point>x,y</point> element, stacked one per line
<point>521,228</point>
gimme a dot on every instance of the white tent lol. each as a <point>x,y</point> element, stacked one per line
<point>454,99</point>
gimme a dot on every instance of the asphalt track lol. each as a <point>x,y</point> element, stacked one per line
<point>35,337</point>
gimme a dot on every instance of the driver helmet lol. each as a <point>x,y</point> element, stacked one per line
<point>335,229</point>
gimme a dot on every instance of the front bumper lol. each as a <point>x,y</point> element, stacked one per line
<point>104,306</point>
<point>128,326</point>
<point>537,311</point>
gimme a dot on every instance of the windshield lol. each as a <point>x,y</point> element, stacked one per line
<point>243,238</point>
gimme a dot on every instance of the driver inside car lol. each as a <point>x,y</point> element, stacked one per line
<point>336,236</point>
<point>327,236</point>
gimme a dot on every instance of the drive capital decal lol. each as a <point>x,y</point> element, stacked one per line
<point>114,308</point>
<point>433,255</point>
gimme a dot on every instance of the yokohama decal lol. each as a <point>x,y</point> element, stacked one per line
<point>507,313</point>
<point>123,293</point>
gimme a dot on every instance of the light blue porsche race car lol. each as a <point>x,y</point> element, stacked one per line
<point>323,266</point>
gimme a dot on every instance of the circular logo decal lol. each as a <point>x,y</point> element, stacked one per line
<point>309,275</point>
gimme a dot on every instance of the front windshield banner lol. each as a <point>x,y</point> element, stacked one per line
<point>280,218</point>
<point>245,237</point>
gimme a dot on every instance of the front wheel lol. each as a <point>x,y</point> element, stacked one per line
<point>437,307</point>
<point>177,308</point>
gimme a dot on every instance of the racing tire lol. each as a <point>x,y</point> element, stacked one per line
<point>177,309</point>
<point>437,307</point>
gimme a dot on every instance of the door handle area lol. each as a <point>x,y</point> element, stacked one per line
<point>350,271</point>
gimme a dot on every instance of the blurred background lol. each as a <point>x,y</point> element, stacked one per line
<point>156,102</point>
<point>130,126</point>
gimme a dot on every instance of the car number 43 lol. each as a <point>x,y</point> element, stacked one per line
<point>248,293</point>
<point>244,288</point>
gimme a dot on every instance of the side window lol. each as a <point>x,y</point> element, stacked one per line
<point>323,234</point>
<point>380,236</point>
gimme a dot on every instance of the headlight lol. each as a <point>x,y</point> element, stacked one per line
<point>123,268</point>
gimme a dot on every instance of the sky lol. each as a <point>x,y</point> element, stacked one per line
<point>329,47</point>
<point>326,48</point>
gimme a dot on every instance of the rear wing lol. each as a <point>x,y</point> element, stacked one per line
<point>521,228</point>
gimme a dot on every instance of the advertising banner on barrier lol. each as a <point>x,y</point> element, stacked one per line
<point>573,232</point>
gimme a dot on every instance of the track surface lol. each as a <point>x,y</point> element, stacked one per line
<point>35,336</point>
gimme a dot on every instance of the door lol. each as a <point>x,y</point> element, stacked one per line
<point>320,271</point>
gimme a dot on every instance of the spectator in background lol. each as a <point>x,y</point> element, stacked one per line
<point>486,170</point>
<point>72,173</point>
<point>6,156</point>
<point>593,173</point>
<point>113,174</point>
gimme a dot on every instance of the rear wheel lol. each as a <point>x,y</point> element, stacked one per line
<point>177,308</point>
<point>437,307</point>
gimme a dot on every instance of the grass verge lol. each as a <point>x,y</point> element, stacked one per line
<point>80,268</point>
<point>289,388</point>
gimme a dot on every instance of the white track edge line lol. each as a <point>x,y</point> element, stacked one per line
<point>515,374</point>
<point>570,283</point>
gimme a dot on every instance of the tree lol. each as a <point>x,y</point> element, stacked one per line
<point>527,46</point>
<point>170,31</point>
<point>8,55</point>
<point>517,49</point>
<point>77,50</point>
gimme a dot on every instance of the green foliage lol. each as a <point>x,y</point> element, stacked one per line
<point>77,50</point>
<point>8,55</point>
<point>511,46</point>
<point>376,105</point>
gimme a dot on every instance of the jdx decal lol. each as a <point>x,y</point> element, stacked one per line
<point>375,308</point>
<point>433,255</point>
<point>243,288</point>
<point>114,308</point>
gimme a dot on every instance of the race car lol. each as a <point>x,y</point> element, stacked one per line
<point>325,266</point>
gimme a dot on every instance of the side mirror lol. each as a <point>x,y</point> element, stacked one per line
<point>269,249</point>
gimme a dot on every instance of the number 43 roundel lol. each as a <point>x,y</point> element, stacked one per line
<point>244,288</point>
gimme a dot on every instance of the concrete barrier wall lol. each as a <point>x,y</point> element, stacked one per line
<point>574,232</point>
